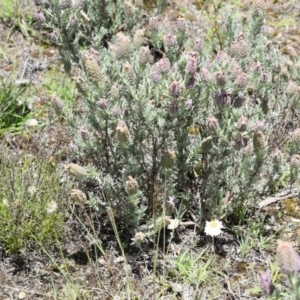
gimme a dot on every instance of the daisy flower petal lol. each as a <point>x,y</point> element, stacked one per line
<point>213,228</point>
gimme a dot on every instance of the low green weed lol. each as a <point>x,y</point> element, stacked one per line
<point>245,244</point>
<point>61,85</point>
<point>186,264</point>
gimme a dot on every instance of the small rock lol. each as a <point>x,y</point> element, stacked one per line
<point>22,295</point>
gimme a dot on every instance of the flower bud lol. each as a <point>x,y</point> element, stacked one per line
<point>258,141</point>
<point>240,48</point>
<point>115,91</point>
<point>91,66</point>
<point>264,105</point>
<point>293,88</point>
<point>122,48</point>
<point>74,22</point>
<point>81,85</point>
<point>266,283</point>
<point>139,237</point>
<point>145,56</point>
<point>168,159</point>
<point>170,40</point>
<point>248,150</point>
<point>241,80</point>
<point>258,8</point>
<point>220,78</point>
<point>235,69</point>
<point>174,89</point>
<point>173,107</point>
<point>191,82</point>
<point>102,103</point>
<point>76,170</point>
<point>181,24</point>
<point>242,124</point>
<point>116,112</point>
<point>128,72</point>
<point>129,9</point>
<point>222,58</point>
<point>192,64</point>
<point>222,98</point>
<point>84,133</point>
<point>212,123</point>
<point>78,3</point>
<point>65,4</point>
<point>295,161</point>
<point>39,16</point>
<point>122,133</point>
<point>296,136</point>
<point>153,25</point>
<point>38,2</point>
<point>239,142</point>
<point>138,38</point>
<point>164,65</point>
<point>155,76</point>
<point>139,3</point>
<point>198,46</point>
<point>206,76</point>
<point>238,101</point>
<point>79,196</point>
<point>132,186</point>
<point>287,258</point>
<point>53,37</point>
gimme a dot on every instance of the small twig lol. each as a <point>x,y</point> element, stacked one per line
<point>25,291</point>
<point>228,287</point>
<point>24,69</point>
<point>270,200</point>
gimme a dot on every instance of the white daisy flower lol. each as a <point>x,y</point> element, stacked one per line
<point>173,224</point>
<point>51,207</point>
<point>32,190</point>
<point>213,228</point>
<point>5,202</point>
<point>139,238</point>
<point>31,123</point>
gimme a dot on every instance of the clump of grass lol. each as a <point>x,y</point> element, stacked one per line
<point>17,15</point>
<point>29,203</point>
<point>8,9</point>
<point>13,112</point>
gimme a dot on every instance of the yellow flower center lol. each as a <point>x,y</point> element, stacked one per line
<point>213,224</point>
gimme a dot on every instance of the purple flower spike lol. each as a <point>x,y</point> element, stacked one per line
<point>266,283</point>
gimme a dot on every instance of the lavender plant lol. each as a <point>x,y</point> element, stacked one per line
<point>161,117</point>
<point>76,23</point>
